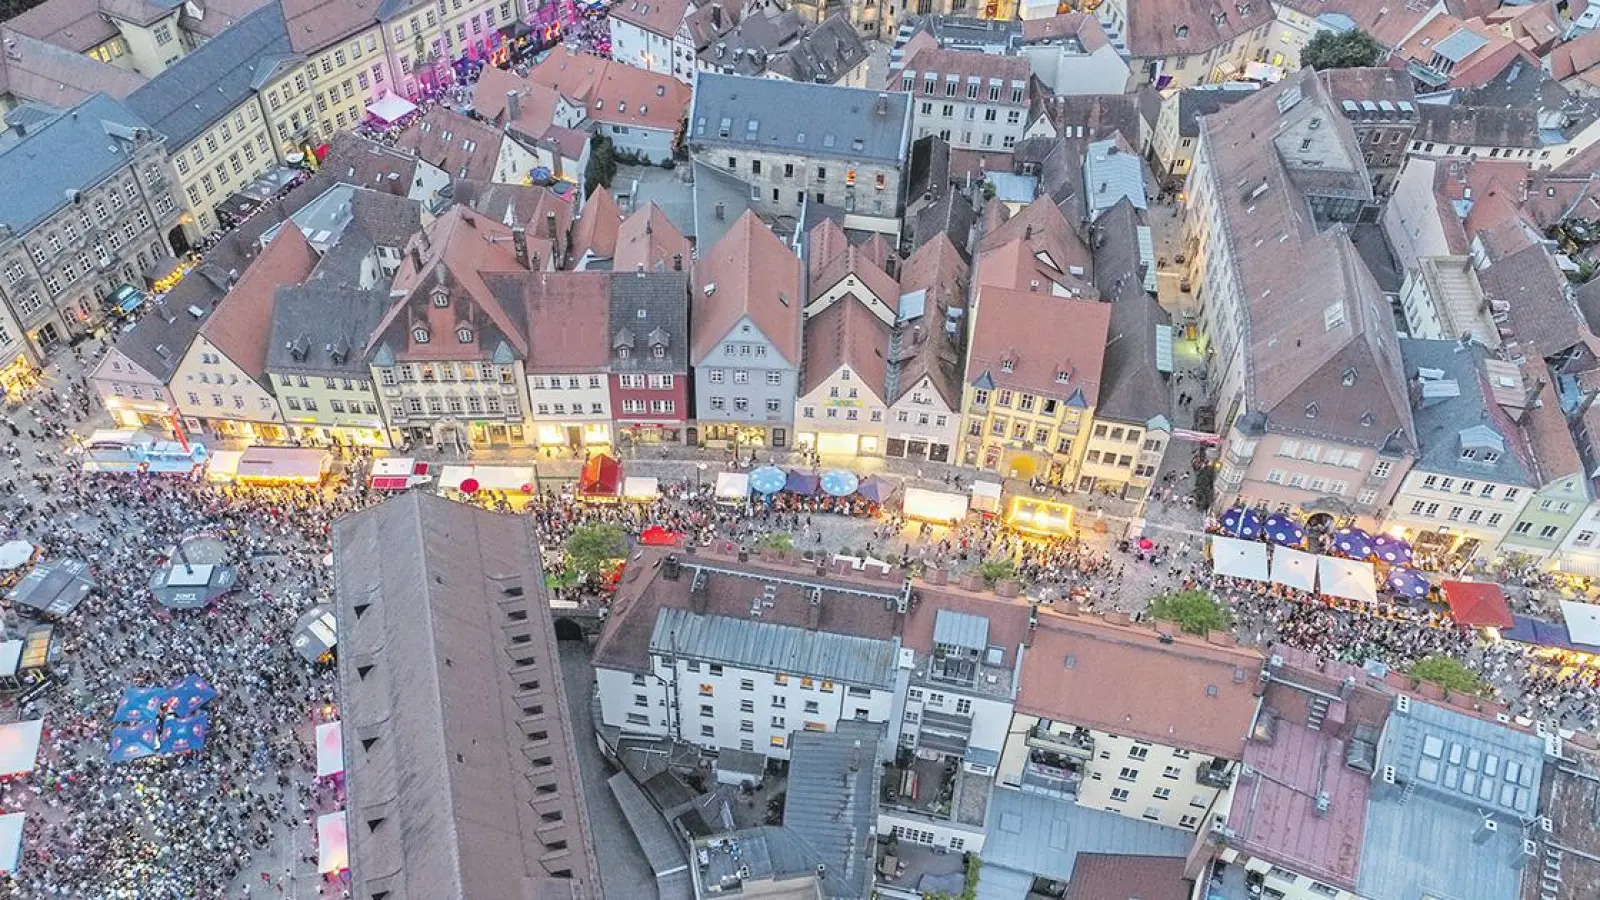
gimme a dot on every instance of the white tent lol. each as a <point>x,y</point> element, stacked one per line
<point>391,108</point>
<point>224,465</point>
<point>509,479</point>
<point>19,747</point>
<point>934,506</point>
<point>1294,568</point>
<point>986,496</point>
<point>11,841</point>
<point>1239,559</point>
<point>733,486</point>
<point>639,487</point>
<point>330,749</point>
<point>333,843</point>
<point>1583,622</point>
<point>1347,578</point>
<point>13,554</point>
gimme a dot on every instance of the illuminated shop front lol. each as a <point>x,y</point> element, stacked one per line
<point>573,434</point>
<point>1042,517</point>
<point>838,443</point>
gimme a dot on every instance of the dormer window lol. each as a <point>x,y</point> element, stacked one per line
<point>441,299</point>
<point>622,352</point>
<point>1062,377</point>
<point>1366,419</point>
<point>420,335</point>
<point>1008,365</point>
<point>1348,379</point>
<point>464,335</point>
<point>658,351</point>
<point>1311,410</point>
<point>1182,31</point>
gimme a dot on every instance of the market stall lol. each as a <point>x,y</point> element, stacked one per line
<point>224,465</point>
<point>19,747</point>
<point>330,749</point>
<point>333,849</point>
<point>1047,518</point>
<point>799,482</point>
<point>283,465</point>
<point>1294,568</point>
<point>11,830</point>
<point>390,108</point>
<point>640,489</point>
<point>1477,604</point>
<point>733,487</point>
<point>53,589</point>
<point>986,496</point>
<point>315,634</point>
<point>601,479</point>
<point>939,507</point>
<point>1235,558</point>
<point>396,473</point>
<point>512,481</point>
<point>1348,578</point>
<point>1583,622</point>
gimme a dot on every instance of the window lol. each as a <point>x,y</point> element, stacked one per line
<point>1128,774</point>
<point>1138,751</point>
<point>1171,772</point>
<point>1162,793</point>
<point>1119,795</point>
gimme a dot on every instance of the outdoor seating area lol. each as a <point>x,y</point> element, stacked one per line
<point>161,721</point>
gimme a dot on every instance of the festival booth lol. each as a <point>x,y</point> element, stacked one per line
<point>1294,568</point>
<point>333,844</point>
<point>316,635</point>
<point>16,554</point>
<point>938,507</point>
<point>396,473</point>
<point>1047,518</point>
<point>11,829</point>
<point>330,749</point>
<point>390,108</point>
<point>1477,604</point>
<point>514,483</point>
<point>986,496</point>
<point>1347,578</point>
<point>733,488</point>
<point>601,480</point>
<point>640,489</point>
<point>1235,558</point>
<point>1583,622</point>
<point>139,453</point>
<point>53,589</point>
<point>184,585</point>
<point>11,666</point>
<point>19,747</point>
<point>224,465</point>
<point>800,483</point>
<point>282,465</point>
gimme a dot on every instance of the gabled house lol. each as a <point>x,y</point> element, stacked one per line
<point>747,338</point>
<point>638,110</point>
<point>654,35</point>
<point>844,381</point>
<point>455,146</point>
<point>221,385</point>
<point>449,355</point>
<point>594,234</point>
<point>925,364</point>
<point>567,314</point>
<point>647,241</point>
<point>649,367</point>
<point>842,272</point>
<point>537,121</point>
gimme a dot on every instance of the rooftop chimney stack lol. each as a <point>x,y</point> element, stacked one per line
<point>550,224</point>
<point>513,106</point>
<point>519,243</point>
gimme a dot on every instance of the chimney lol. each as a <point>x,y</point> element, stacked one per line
<point>513,106</point>
<point>720,212</point>
<point>716,16</point>
<point>677,262</point>
<point>519,243</point>
<point>416,259</point>
<point>550,225</point>
<point>534,263</point>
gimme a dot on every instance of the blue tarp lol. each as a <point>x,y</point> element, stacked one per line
<point>875,489</point>
<point>140,704</point>
<point>185,735</point>
<point>800,483</point>
<point>132,742</point>
<point>189,694</point>
<point>1527,630</point>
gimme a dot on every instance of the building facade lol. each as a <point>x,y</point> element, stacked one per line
<point>648,374</point>
<point>975,101</point>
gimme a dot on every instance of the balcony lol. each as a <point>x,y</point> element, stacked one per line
<point>1216,774</point>
<point>1077,744</point>
<point>1040,777</point>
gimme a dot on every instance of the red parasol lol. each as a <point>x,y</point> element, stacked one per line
<point>657,536</point>
<point>527,488</point>
<point>1146,543</point>
<point>469,485</point>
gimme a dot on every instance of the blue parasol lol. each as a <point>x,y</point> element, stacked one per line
<point>798,482</point>
<point>1284,531</point>
<point>1353,543</point>
<point>185,735</point>
<point>1242,522</point>
<point>132,742</point>
<point>189,694</point>
<point>1392,550</point>
<point>875,489</point>
<point>768,480</point>
<point>1409,582</point>
<point>839,483</point>
<point>140,705</point>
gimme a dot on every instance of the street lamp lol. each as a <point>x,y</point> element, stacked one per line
<point>699,468</point>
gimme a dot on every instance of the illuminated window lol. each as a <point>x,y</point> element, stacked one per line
<point>706,690</point>
<point>850,177</point>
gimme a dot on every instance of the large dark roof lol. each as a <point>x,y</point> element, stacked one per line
<point>808,119</point>
<point>650,307</point>
<point>461,775</point>
<point>1131,387</point>
<point>71,150</point>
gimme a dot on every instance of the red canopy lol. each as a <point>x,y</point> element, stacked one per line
<point>602,477</point>
<point>1477,603</point>
<point>656,536</point>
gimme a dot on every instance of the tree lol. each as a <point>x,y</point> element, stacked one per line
<point>779,541</point>
<point>602,168</point>
<point>592,548</point>
<point>1205,487</point>
<point>1351,49</point>
<point>1448,673</point>
<point>1196,612</point>
<point>995,571</point>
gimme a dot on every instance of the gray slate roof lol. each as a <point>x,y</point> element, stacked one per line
<point>158,342</point>
<point>1196,102</point>
<point>754,644</point>
<point>663,297</point>
<point>213,79</point>
<point>833,803</point>
<point>1439,425</point>
<point>1041,835</point>
<point>1131,388</point>
<point>321,326</point>
<point>73,150</point>
<point>806,119</point>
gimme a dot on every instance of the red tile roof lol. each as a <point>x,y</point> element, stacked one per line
<point>1039,336</point>
<point>74,25</point>
<point>459,146</point>
<point>1037,244</point>
<point>749,272</point>
<point>648,239</point>
<point>1161,28</point>
<point>612,92</point>
<point>569,317</point>
<point>1479,67</point>
<point>1116,876</point>
<point>847,333</point>
<point>314,24</point>
<point>935,267</point>
<point>1123,679</point>
<point>241,326</point>
<point>597,227</point>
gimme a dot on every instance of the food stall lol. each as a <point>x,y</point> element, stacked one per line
<point>282,465</point>
<point>601,480</point>
<point>986,496</point>
<point>1047,518</point>
<point>515,484</point>
<point>397,473</point>
<point>938,507</point>
<point>640,489</point>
